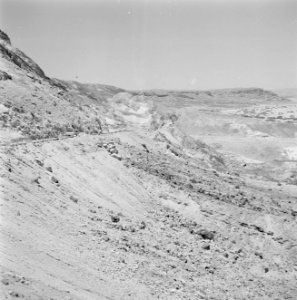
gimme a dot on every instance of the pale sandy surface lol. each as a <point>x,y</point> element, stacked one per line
<point>111,194</point>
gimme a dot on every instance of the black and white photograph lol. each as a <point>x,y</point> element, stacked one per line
<point>148,149</point>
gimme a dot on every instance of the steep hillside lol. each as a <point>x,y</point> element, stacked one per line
<point>108,194</point>
<point>38,106</point>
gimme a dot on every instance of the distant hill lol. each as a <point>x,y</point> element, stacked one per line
<point>287,93</point>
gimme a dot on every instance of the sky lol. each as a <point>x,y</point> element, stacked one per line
<point>170,44</point>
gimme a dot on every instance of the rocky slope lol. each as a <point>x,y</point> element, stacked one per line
<point>38,106</point>
<point>106,194</point>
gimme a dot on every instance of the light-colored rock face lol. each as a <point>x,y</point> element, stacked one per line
<point>132,109</point>
<point>108,194</point>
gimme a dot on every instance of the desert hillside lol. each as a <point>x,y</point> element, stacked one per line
<point>108,193</point>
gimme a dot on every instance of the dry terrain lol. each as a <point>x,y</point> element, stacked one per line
<point>115,194</point>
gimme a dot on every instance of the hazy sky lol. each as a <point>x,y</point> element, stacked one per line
<point>138,44</point>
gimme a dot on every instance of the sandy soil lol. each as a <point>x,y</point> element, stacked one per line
<point>108,194</point>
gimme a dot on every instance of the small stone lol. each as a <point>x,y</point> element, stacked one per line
<point>54,180</point>
<point>142,225</point>
<point>206,247</point>
<point>115,219</point>
<point>210,269</point>
<point>206,234</point>
<point>116,156</point>
<point>74,199</point>
<point>14,294</point>
<point>36,180</point>
<point>260,255</point>
<point>40,163</point>
<point>5,281</point>
<point>113,151</point>
<point>132,229</point>
<point>49,169</point>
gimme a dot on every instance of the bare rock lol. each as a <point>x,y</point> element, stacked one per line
<point>142,225</point>
<point>54,180</point>
<point>206,234</point>
<point>116,156</point>
<point>206,246</point>
<point>115,219</point>
<point>74,199</point>
<point>4,76</point>
<point>5,281</point>
<point>49,169</point>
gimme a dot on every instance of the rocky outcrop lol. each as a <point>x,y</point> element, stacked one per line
<point>4,76</point>
<point>39,107</point>
<point>4,37</point>
<point>18,57</point>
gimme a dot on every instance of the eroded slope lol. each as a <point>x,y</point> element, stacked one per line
<point>104,195</point>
